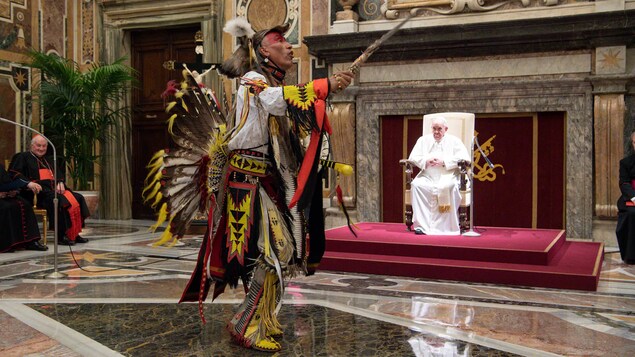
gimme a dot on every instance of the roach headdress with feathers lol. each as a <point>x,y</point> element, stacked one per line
<point>241,60</point>
<point>246,57</point>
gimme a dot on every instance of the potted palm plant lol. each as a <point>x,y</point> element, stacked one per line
<point>77,108</point>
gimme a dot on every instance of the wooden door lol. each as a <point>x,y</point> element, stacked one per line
<point>150,49</point>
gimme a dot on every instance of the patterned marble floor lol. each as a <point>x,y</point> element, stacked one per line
<point>119,297</point>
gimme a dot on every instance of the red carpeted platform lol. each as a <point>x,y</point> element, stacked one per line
<point>530,257</point>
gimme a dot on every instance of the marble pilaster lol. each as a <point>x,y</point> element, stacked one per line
<point>609,86</point>
<point>608,113</point>
<point>342,118</point>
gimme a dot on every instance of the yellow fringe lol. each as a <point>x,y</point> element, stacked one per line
<point>157,177</point>
<point>157,200</point>
<point>156,156</point>
<point>274,128</point>
<point>178,95</point>
<point>155,163</point>
<point>166,237</point>
<point>172,243</point>
<point>163,215</point>
<point>169,106</point>
<point>267,305</point>
<point>184,106</point>
<point>276,228</point>
<point>155,189</point>
<point>245,111</point>
<point>171,123</point>
<point>265,234</point>
<point>344,169</point>
<point>218,143</point>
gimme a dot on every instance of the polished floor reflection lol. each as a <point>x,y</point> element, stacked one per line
<point>119,297</point>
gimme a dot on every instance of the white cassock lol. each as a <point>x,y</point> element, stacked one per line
<point>435,190</point>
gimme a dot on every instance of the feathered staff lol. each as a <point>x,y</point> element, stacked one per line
<point>375,45</point>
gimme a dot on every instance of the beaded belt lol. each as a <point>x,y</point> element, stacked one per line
<point>250,162</point>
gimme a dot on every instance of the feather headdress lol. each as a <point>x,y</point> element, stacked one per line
<point>183,182</point>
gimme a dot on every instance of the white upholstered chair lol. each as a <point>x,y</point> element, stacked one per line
<point>460,125</point>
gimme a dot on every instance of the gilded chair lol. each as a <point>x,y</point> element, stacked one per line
<point>460,125</point>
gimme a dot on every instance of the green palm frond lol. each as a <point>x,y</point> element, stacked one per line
<point>79,105</point>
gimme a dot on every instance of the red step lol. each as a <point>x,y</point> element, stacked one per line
<point>571,265</point>
<point>496,244</point>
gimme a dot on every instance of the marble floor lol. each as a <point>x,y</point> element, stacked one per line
<point>119,296</point>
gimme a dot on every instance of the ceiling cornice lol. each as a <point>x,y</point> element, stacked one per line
<point>566,33</point>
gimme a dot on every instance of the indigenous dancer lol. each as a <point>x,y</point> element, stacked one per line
<point>260,240</point>
<point>265,216</point>
<point>33,166</point>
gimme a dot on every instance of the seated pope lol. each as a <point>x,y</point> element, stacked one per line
<point>435,190</point>
<point>34,166</point>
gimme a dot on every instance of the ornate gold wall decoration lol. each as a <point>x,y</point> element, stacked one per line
<point>610,60</point>
<point>8,9</point>
<point>15,18</point>
<point>20,78</point>
<point>449,7</point>
<point>482,171</point>
<point>264,14</point>
<point>88,32</point>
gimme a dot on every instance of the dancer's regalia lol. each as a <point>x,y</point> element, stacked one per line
<point>257,178</point>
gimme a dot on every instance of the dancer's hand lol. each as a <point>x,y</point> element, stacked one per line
<point>340,80</point>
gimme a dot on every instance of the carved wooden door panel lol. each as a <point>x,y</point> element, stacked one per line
<point>150,49</point>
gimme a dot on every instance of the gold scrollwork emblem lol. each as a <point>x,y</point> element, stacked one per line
<point>482,170</point>
<point>169,65</point>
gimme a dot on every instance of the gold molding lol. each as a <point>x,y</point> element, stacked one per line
<point>410,4</point>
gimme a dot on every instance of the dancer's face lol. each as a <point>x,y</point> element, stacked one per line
<point>278,50</point>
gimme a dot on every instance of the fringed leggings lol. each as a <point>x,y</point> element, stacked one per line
<point>256,319</point>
